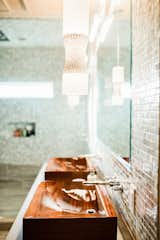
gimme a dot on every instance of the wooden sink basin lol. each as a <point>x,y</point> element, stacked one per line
<point>76,167</point>
<point>65,211</point>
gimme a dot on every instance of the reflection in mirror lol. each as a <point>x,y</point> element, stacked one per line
<point>114,78</point>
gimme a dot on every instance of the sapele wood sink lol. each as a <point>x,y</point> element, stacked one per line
<point>65,211</point>
<point>76,167</point>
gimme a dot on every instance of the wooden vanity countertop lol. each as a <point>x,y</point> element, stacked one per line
<point>69,167</point>
<point>61,199</point>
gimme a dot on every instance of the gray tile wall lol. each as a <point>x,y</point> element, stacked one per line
<point>60,130</point>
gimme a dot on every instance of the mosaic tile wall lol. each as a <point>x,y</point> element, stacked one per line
<point>60,129</point>
<point>141,214</point>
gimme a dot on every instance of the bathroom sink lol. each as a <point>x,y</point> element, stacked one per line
<point>76,167</point>
<point>61,210</point>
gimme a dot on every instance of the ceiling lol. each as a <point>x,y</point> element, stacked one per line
<point>35,8</point>
<point>32,23</point>
<point>35,23</point>
<point>30,8</point>
<point>47,8</point>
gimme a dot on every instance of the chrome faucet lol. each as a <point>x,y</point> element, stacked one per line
<point>112,182</point>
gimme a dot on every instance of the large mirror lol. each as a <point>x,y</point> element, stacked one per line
<point>114,80</point>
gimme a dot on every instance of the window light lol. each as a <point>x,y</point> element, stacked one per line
<point>26,89</point>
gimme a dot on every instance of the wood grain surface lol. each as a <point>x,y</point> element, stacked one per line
<point>69,210</point>
<point>76,167</point>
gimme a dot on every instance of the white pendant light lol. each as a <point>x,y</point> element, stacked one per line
<point>75,84</point>
<point>117,77</point>
<point>75,53</point>
<point>118,74</point>
<point>118,82</point>
<point>75,17</point>
<point>117,98</point>
<point>75,32</point>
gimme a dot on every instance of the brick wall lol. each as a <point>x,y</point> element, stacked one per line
<point>143,170</point>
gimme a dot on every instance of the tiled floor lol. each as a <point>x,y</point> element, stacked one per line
<point>3,235</point>
<point>119,236</point>
<point>12,195</point>
<point>15,182</point>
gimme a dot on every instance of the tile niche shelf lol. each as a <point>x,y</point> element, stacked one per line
<point>22,129</point>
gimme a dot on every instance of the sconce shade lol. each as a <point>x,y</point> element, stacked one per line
<point>118,74</point>
<point>75,84</point>
<point>75,53</point>
<point>118,81</point>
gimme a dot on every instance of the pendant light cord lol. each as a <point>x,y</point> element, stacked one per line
<point>118,43</point>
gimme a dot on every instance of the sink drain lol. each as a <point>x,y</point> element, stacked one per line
<point>91,211</point>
